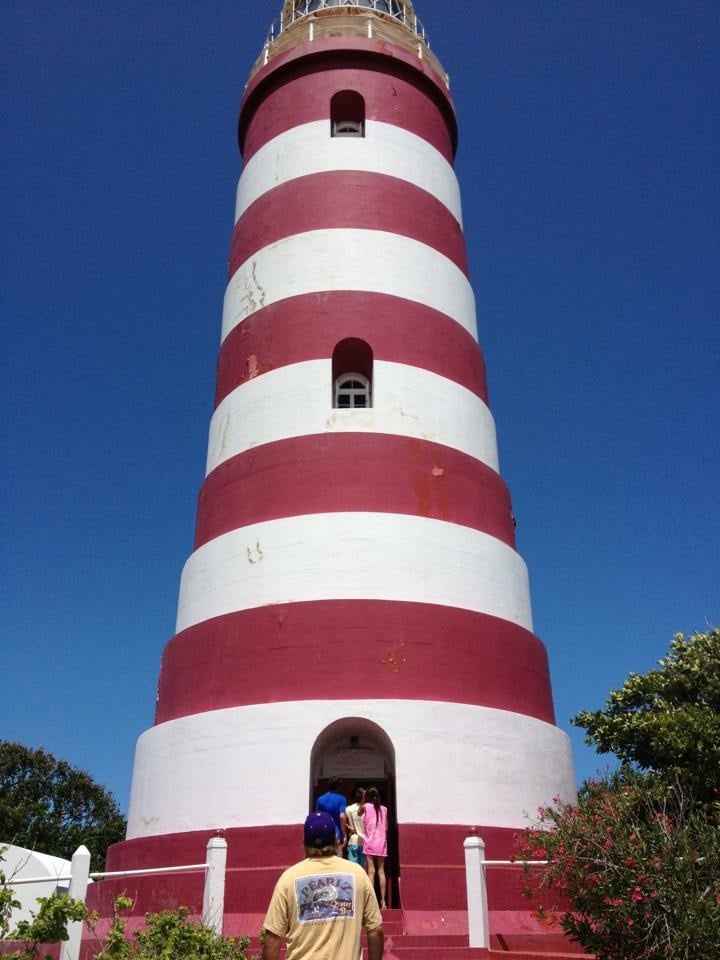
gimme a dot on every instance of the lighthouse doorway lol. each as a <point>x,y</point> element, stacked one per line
<point>361,754</point>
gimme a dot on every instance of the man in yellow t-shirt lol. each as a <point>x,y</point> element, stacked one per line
<point>320,905</point>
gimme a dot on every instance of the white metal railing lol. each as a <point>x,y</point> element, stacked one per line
<point>303,8</point>
<point>79,876</point>
<point>476,885</point>
<point>214,889</point>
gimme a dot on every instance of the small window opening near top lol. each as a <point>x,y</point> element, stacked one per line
<point>352,374</point>
<point>347,114</point>
<point>347,128</point>
<point>352,391</point>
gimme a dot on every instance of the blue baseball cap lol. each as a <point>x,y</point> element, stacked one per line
<point>320,830</point>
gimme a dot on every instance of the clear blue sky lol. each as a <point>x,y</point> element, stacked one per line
<point>589,168</point>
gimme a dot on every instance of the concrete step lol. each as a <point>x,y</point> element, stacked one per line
<point>397,949</point>
<point>431,935</point>
<point>436,953</point>
<point>438,937</point>
<point>456,947</point>
<point>432,940</point>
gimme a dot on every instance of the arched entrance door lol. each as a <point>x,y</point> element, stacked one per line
<point>362,755</point>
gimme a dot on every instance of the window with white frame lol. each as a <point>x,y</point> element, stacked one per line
<point>352,374</point>
<point>352,390</point>
<point>347,128</point>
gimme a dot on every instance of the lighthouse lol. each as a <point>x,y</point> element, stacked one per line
<point>354,604</point>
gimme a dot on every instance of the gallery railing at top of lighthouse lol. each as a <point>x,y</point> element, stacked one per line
<point>303,8</point>
<point>375,19</point>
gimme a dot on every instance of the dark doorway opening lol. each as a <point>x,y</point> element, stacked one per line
<point>361,754</point>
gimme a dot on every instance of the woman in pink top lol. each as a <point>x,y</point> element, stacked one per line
<point>375,845</point>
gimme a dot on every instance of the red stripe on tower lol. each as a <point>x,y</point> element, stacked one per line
<point>317,202</point>
<point>308,327</point>
<point>299,475</point>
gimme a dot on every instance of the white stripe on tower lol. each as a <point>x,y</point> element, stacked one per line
<point>408,402</point>
<point>386,149</point>
<point>347,259</point>
<point>197,770</point>
<point>350,556</point>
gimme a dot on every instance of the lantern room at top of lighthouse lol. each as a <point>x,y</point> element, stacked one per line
<point>394,21</point>
<point>401,10</point>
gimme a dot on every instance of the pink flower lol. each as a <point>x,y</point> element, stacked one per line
<point>612,902</point>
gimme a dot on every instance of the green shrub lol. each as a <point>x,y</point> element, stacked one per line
<point>169,935</point>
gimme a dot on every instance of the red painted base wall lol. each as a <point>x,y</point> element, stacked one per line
<point>431,876</point>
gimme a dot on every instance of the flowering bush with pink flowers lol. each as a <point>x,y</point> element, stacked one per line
<point>637,858</point>
<point>639,865</point>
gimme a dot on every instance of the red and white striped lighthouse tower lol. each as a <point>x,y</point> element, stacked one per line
<point>354,603</point>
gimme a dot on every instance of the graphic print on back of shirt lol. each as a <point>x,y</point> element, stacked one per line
<point>328,896</point>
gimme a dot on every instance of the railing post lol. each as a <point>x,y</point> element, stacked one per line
<point>476,891</point>
<point>79,872</point>
<point>214,894</point>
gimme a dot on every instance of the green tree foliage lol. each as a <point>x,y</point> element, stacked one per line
<point>635,865</point>
<point>50,806</point>
<point>667,720</point>
<point>638,865</point>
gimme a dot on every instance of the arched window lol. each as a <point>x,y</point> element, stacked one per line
<point>352,370</point>
<point>347,114</point>
<point>352,390</point>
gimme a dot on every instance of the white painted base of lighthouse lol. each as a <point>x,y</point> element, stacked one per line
<point>455,763</point>
<point>249,773</point>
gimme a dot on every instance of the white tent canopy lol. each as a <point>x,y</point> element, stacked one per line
<point>17,862</point>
